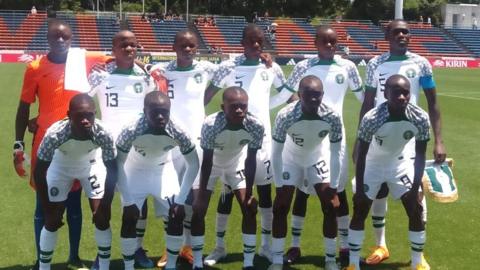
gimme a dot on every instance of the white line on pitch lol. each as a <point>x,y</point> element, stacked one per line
<point>454,96</point>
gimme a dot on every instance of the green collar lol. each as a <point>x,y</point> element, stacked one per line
<point>123,71</point>
<point>233,127</point>
<point>248,62</point>
<point>397,57</point>
<point>188,68</point>
<point>310,117</point>
<point>322,62</point>
<point>392,118</point>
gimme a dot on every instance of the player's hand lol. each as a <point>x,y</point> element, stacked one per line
<point>267,59</point>
<point>251,204</point>
<point>19,158</point>
<point>32,125</point>
<point>439,153</point>
<point>333,197</point>
<point>360,198</point>
<point>177,211</point>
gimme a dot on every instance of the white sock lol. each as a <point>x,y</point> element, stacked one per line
<point>221,226</point>
<point>187,236</point>
<point>355,242</point>
<point>140,230</point>
<point>343,223</point>
<point>104,242</point>
<point>197,249</point>
<point>174,243</point>
<point>297,227</point>
<point>330,247</point>
<point>266,219</point>
<point>249,243</point>
<point>129,246</point>
<point>424,213</point>
<point>277,250</point>
<point>48,240</point>
<point>417,241</point>
<point>379,209</point>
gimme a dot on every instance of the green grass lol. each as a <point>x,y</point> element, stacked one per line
<point>452,231</point>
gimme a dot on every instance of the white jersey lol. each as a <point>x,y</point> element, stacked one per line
<point>337,77</point>
<point>120,94</point>
<point>59,147</point>
<point>306,133</point>
<point>388,136</point>
<point>151,149</point>
<point>229,142</point>
<point>413,66</point>
<point>186,90</point>
<point>257,80</point>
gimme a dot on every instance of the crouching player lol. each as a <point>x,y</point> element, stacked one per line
<point>67,152</point>
<point>145,168</point>
<point>225,135</point>
<point>383,134</point>
<point>307,124</point>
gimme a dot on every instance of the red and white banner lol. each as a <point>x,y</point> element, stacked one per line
<point>454,62</point>
<point>18,57</point>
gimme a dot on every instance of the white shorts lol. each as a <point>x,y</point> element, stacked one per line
<point>232,176</point>
<point>300,176</point>
<point>60,179</point>
<point>158,181</point>
<point>263,172</point>
<point>399,178</point>
<point>343,178</point>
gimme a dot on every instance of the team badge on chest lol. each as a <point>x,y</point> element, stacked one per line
<point>340,78</point>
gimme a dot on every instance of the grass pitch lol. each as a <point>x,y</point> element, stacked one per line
<point>452,231</point>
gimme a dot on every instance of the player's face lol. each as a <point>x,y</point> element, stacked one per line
<point>186,48</point>
<point>399,37</point>
<point>398,96</point>
<point>158,114</point>
<point>82,118</point>
<point>125,49</point>
<point>59,39</point>
<point>253,44</point>
<point>310,100</point>
<point>235,109</point>
<point>326,43</point>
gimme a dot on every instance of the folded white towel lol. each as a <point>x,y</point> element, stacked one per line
<point>76,71</point>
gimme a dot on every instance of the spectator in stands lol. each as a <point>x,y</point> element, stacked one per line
<point>117,21</point>
<point>474,23</point>
<point>272,31</point>
<point>346,50</point>
<point>420,19</point>
<point>144,18</point>
<point>33,11</point>
<point>266,15</point>
<point>211,21</point>
<point>348,37</point>
<point>255,17</point>
<point>308,19</point>
<point>375,45</point>
<point>429,20</point>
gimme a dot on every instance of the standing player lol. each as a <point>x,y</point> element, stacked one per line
<point>67,152</point>
<point>146,169</point>
<point>337,75</point>
<point>304,156</point>
<point>187,80</point>
<point>120,90</point>
<point>225,136</point>
<point>45,79</point>
<point>247,72</point>
<point>383,136</point>
<point>419,72</point>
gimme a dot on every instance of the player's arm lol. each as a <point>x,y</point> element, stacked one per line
<point>40,178</point>
<point>367,105</point>
<point>206,169</point>
<point>277,162</point>
<point>250,168</point>
<point>360,166</point>
<point>21,123</point>
<point>190,173</point>
<point>283,96</point>
<point>210,93</point>
<point>419,164</point>
<point>110,180</point>
<point>439,152</point>
<point>122,177</point>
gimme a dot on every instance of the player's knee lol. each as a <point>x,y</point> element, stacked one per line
<point>53,224</point>
<point>264,196</point>
<point>280,209</point>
